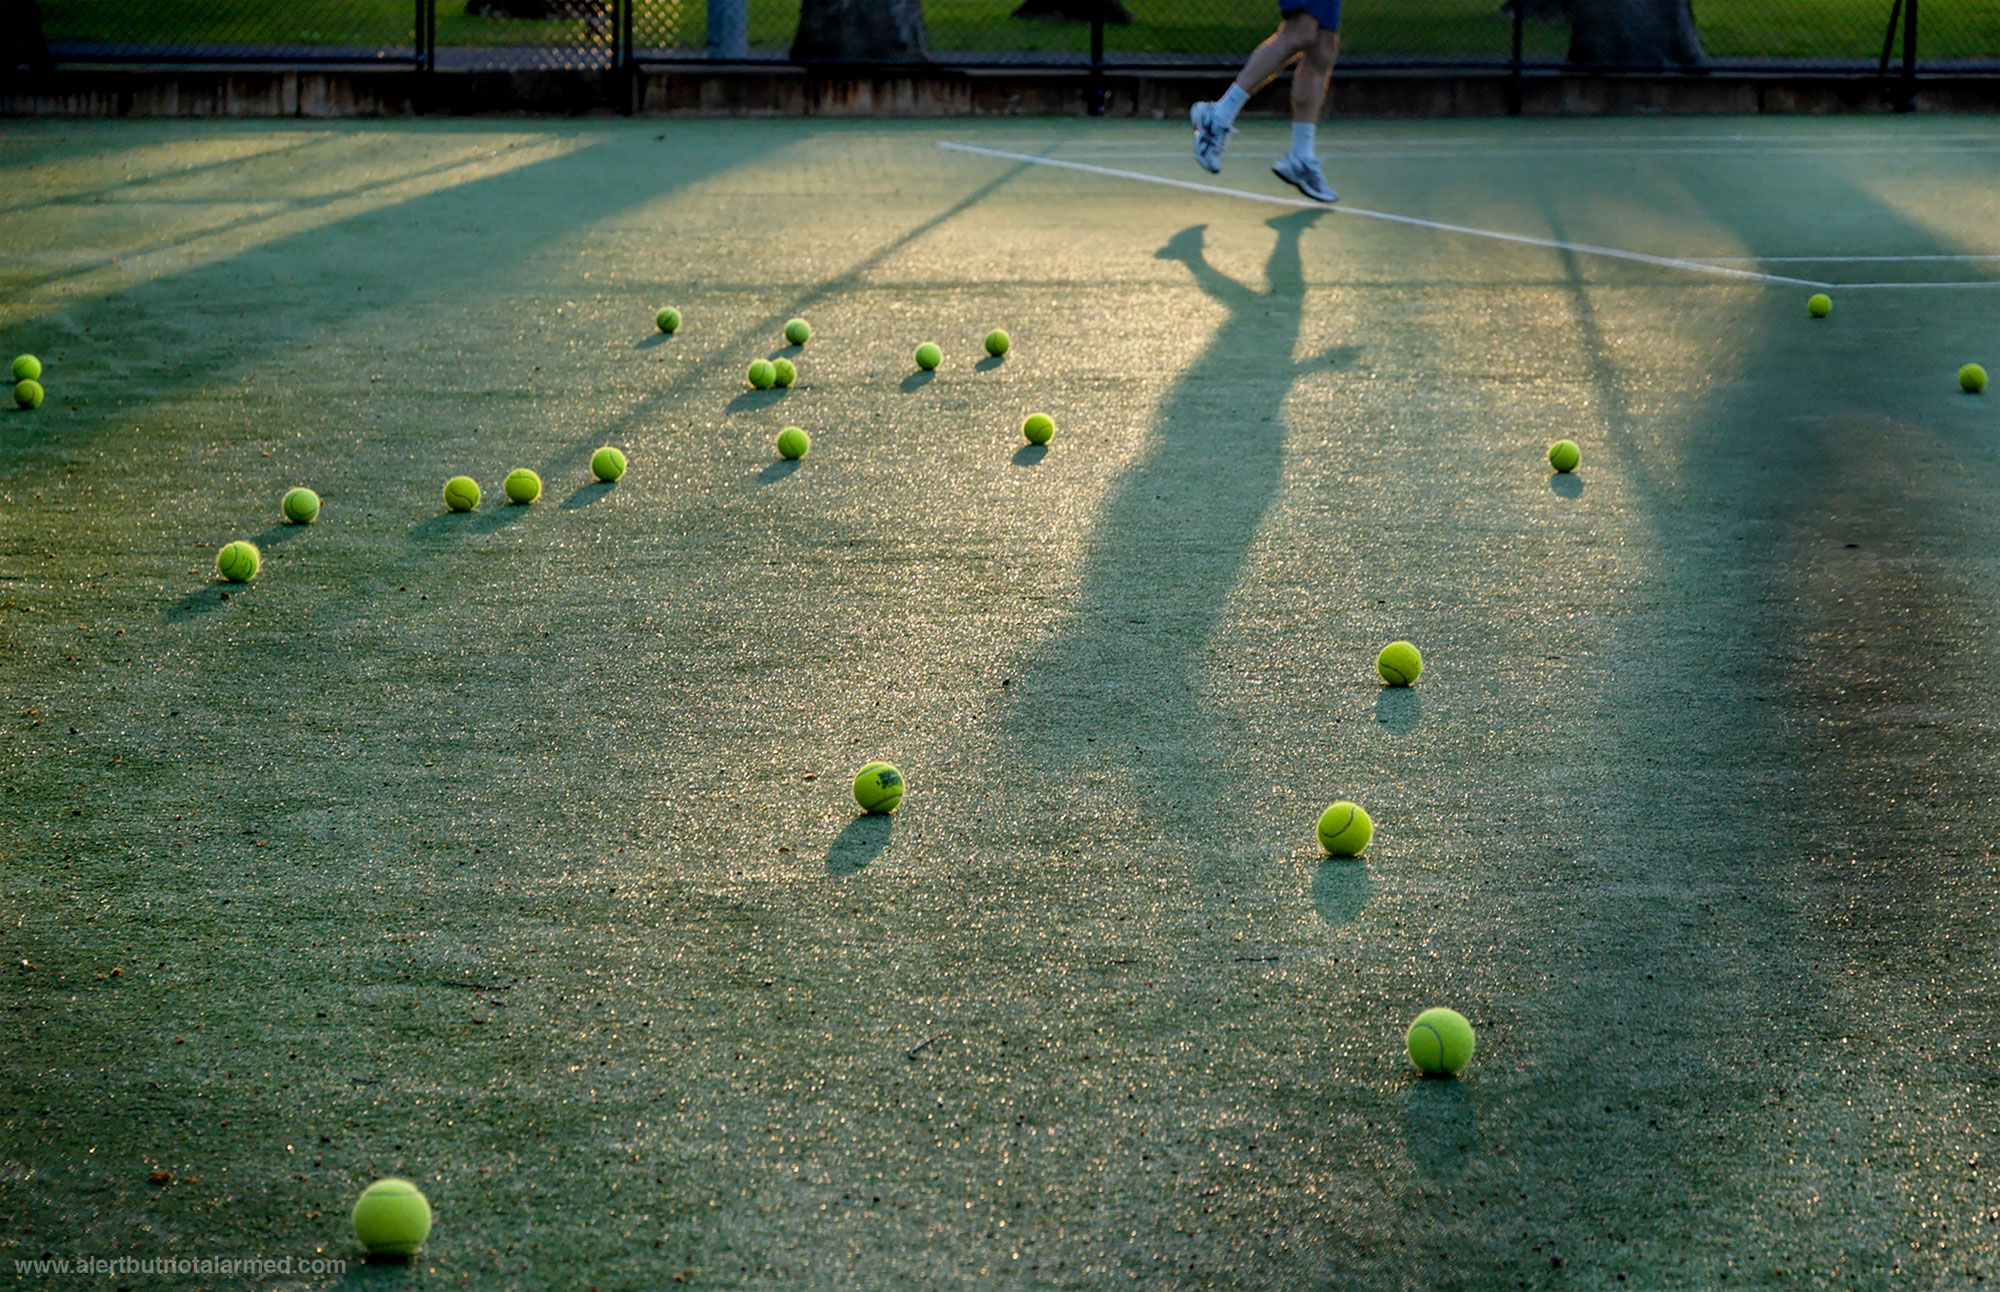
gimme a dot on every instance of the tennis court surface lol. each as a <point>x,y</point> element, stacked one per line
<point>512,852</point>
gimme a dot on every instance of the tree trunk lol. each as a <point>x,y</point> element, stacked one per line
<point>862,31</point>
<point>1634,33</point>
<point>1074,11</point>
<point>22,23</point>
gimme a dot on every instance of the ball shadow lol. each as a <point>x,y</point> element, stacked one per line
<point>444,522</point>
<point>778,470</point>
<point>1030,454</point>
<point>1440,1131</point>
<point>750,399</point>
<point>497,516</point>
<point>917,380</point>
<point>1399,708</point>
<point>595,491</point>
<point>989,363</point>
<point>657,339</point>
<point>1340,890</point>
<point>283,532</point>
<point>1566,484</point>
<point>200,602</point>
<point>860,843</point>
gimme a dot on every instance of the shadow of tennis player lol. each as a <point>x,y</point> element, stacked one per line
<point>1125,671</point>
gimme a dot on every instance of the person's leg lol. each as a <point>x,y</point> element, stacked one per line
<point>1299,167</point>
<point>1309,80</point>
<point>1213,121</point>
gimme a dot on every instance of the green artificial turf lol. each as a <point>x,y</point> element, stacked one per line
<point>512,851</point>
<point>1849,30</point>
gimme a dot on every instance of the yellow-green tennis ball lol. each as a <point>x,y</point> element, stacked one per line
<point>878,787</point>
<point>929,357</point>
<point>28,394</point>
<point>762,374</point>
<point>794,443</point>
<point>1344,830</point>
<point>998,343</point>
<point>461,493</point>
<point>1971,379</point>
<point>238,562</point>
<point>1819,305</point>
<point>1564,455</point>
<point>1039,428</point>
<point>668,320</point>
<point>1400,663</point>
<point>1440,1042</point>
<point>784,372</point>
<point>522,486</point>
<point>392,1218</point>
<point>27,368</point>
<point>798,331</point>
<point>301,506</point>
<point>607,464</point>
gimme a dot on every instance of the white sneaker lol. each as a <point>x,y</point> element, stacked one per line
<point>1303,174</point>
<point>1208,137</point>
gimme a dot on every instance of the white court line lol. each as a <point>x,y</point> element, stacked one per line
<point>1553,244</point>
<point>1356,152</point>
<point>1836,260</point>
<point>1483,141</point>
<point>1864,287</point>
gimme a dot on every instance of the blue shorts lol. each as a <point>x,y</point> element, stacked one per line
<point>1326,11</point>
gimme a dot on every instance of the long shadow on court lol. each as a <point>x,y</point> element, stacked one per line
<point>1120,681</point>
<point>1756,970</point>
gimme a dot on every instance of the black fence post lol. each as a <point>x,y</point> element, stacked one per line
<point>427,34</point>
<point>1097,93</point>
<point>1909,102</point>
<point>1514,63</point>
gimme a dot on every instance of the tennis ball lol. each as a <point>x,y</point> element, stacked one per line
<point>762,374</point>
<point>461,493</point>
<point>392,1218</point>
<point>798,331</point>
<point>607,463</point>
<point>1971,379</point>
<point>1038,428</point>
<point>1819,305</point>
<point>784,372</point>
<point>238,562</point>
<point>301,506</point>
<point>1399,664</point>
<point>668,319</point>
<point>1344,830</point>
<point>522,485</point>
<point>1564,455</point>
<point>27,368</point>
<point>794,443</point>
<point>929,357</point>
<point>878,787</point>
<point>28,394</point>
<point>998,343</point>
<point>1440,1042</point>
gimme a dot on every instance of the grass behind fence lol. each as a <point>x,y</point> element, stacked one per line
<point>1220,29</point>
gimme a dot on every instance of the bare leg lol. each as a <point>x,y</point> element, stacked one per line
<point>1310,77</point>
<point>1293,38</point>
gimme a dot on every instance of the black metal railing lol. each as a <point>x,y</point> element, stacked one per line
<point>1518,38</point>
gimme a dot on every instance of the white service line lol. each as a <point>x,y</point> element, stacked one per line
<point>1553,244</point>
<point>1484,141</point>
<point>1836,260</point>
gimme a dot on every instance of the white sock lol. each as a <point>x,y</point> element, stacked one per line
<point>1304,133</point>
<point>1229,105</point>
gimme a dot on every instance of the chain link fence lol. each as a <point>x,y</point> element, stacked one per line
<point>1956,36</point>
